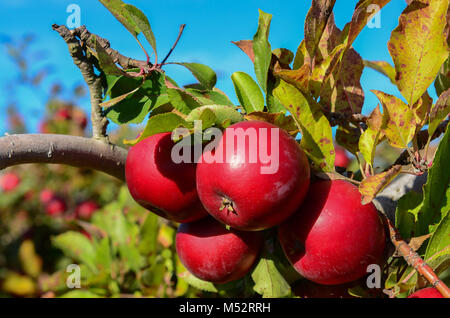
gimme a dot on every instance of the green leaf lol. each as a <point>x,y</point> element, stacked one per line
<point>268,281</point>
<point>406,213</point>
<point>203,73</point>
<point>158,124</point>
<point>105,61</point>
<point>116,7</point>
<point>437,189</point>
<point>221,113</point>
<point>79,294</point>
<point>439,111</point>
<point>418,47</point>
<point>316,130</point>
<point>148,235</point>
<point>209,97</point>
<point>182,100</point>
<point>103,257</point>
<point>135,106</point>
<point>142,23</point>
<point>262,49</point>
<point>114,101</point>
<point>273,104</point>
<point>439,244</point>
<point>442,82</point>
<point>315,22</point>
<point>370,186</point>
<point>248,92</point>
<point>382,67</point>
<point>399,122</point>
<point>197,282</point>
<point>78,247</point>
<point>368,143</point>
<point>122,232</point>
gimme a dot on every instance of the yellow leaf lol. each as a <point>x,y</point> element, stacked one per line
<point>418,46</point>
<point>399,124</point>
<point>370,186</point>
<point>31,262</point>
<point>19,285</point>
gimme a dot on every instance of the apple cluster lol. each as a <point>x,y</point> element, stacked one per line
<point>224,209</point>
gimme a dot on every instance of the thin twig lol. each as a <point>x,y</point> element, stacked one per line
<point>174,45</point>
<point>124,61</point>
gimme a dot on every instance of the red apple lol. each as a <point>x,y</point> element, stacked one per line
<point>9,181</point>
<point>238,192</point>
<point>85,209</point>
<point>159,184</point>
<point>44,127</point>
<point>46,196</point>
<point>429,292</point>
<point>212,253</point>
<point>333,237</point>
<point>341,158</point>
<point>56,207</point>
<point>63,114</point>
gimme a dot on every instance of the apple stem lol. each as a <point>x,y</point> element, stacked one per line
<point>227,204</point>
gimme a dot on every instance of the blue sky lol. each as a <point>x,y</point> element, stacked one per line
<point>211,26</point>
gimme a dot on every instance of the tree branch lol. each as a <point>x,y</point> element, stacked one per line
<point>63,149</point>
<point>94,82</point>
<point>124,61</point>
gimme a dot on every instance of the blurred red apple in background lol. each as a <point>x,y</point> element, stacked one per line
<point>85,209</point>
<point>341,158</point>
<point>9,181</point>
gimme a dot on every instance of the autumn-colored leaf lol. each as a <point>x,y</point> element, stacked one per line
<point>375,120</point>
<point>439,111</point>
<point>247,47</point>
<point>341,89</point>
<point>372,185</point>
<point>348,137</point>
<point>300,56</point>
<point>315,22</point>
<point>279,119</point>
<point>317,138</point>
<point>382,67</point>
<point>281,58</point>
<point>418,46</point>
<point>364,11</point>
<point>421,109</point>
<point>399,123</point>
<point>298,78</point>
<point>416,242</point>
